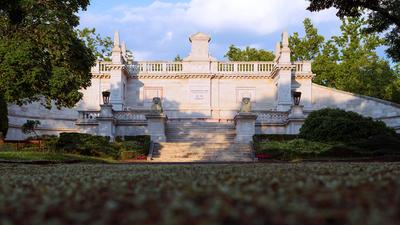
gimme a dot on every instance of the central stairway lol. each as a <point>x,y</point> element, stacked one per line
<point>200,141</point>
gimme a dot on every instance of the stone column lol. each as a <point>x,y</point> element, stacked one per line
<point>106,122</point>
<point>245,127</point>
<point>156,126</point>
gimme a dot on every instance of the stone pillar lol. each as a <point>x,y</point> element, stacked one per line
<point>295,120</point>
<point>106,122</point>
<point>245,127</point>
<point>284,76</point>
<point>118,79</point>
<point>156,126</point>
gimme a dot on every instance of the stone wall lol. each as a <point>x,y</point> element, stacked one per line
<point>324,97</point>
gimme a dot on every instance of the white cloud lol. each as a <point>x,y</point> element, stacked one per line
<point>164,26</point>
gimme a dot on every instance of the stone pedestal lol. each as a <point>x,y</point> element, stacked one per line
<point>296,112</point>
<point>156,126</point>
<point>245,127</point>
<point>295,120</point>
<point>106,122</point>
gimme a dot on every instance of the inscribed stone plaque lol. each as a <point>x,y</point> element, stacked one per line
<point>198,95</point>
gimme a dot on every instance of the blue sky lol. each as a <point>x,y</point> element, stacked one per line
<point>159,30</point>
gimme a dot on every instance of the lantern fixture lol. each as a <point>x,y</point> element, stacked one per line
<point>106,97</point>
<point>296,97</point>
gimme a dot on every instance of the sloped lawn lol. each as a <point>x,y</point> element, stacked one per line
<point>288,193</point>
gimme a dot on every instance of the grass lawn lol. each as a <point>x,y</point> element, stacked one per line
<point>287,193</point>
<point>51,157</point>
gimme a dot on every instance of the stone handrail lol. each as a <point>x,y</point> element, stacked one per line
<point>101,67</point>
<point>221,67</point>
<point>155,67</point>
<point>88,116</point>
<point>271,116</point>
<point>245,67</point>
<point>131,115</point>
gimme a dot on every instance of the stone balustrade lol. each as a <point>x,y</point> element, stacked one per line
<point>272,117</point>
<point>88,116</point>
<point>131,115</point>
<point>134,115</point>
<point>220,68</point>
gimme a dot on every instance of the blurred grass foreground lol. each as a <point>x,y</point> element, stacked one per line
<point>286,193</point>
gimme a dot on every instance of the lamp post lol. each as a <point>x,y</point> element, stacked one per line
<point>106,97</point>
<point>296,97</point>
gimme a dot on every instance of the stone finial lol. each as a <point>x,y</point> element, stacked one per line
<point>156,107</point>
<point>116,40</point>
<point>285,50</point>
<point>285,40</point>
<point>200,48</point>
<point>277,50</point>
<point>123,49</point>
<point>246,105</point>
<point>116,51</point>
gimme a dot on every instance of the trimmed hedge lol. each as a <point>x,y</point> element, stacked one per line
<point>86,144</point>
<point>332,125</point>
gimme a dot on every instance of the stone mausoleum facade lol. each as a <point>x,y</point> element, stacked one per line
<point>198,91</point>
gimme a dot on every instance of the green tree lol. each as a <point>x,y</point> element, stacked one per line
<point>308,47</point>
<point>359,68</point>
<point>248,54</point>
<point>30,127</point>
<point>41,56</point>
<point>101,47</point>
<point>348,61</point>
<point>383,17</point>
<point>3,118</point>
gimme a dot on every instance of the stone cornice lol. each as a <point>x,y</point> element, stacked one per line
<point>301,75</point>
<point>200,76</point>
<point>101,76</point>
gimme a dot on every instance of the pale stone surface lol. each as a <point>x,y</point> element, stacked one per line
<point>245,127</point>
<point>156,126</point>
<point>200,87</point>
<point>106,122</point>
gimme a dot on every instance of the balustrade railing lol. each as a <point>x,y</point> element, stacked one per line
<point>133,115</point>
<point>155,67</point>
<point>88,116</point>
<point>221,67</point>
<point>245,67</point>
<point>271,116</point>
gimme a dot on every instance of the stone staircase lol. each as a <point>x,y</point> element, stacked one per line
<point>199,141</point>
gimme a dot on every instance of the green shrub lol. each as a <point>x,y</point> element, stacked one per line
<point>49,143</point>
<point>86,144</point>
<point>142,140</point>
<point>331,125</point>
<point>292,149</point>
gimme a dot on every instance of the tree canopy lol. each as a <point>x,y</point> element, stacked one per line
<point>349,60</point>
<point>248,54</point>
<point>41,55</point>
<point>308,47</point>
<point>383,16</point>
<point>101,47</point>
